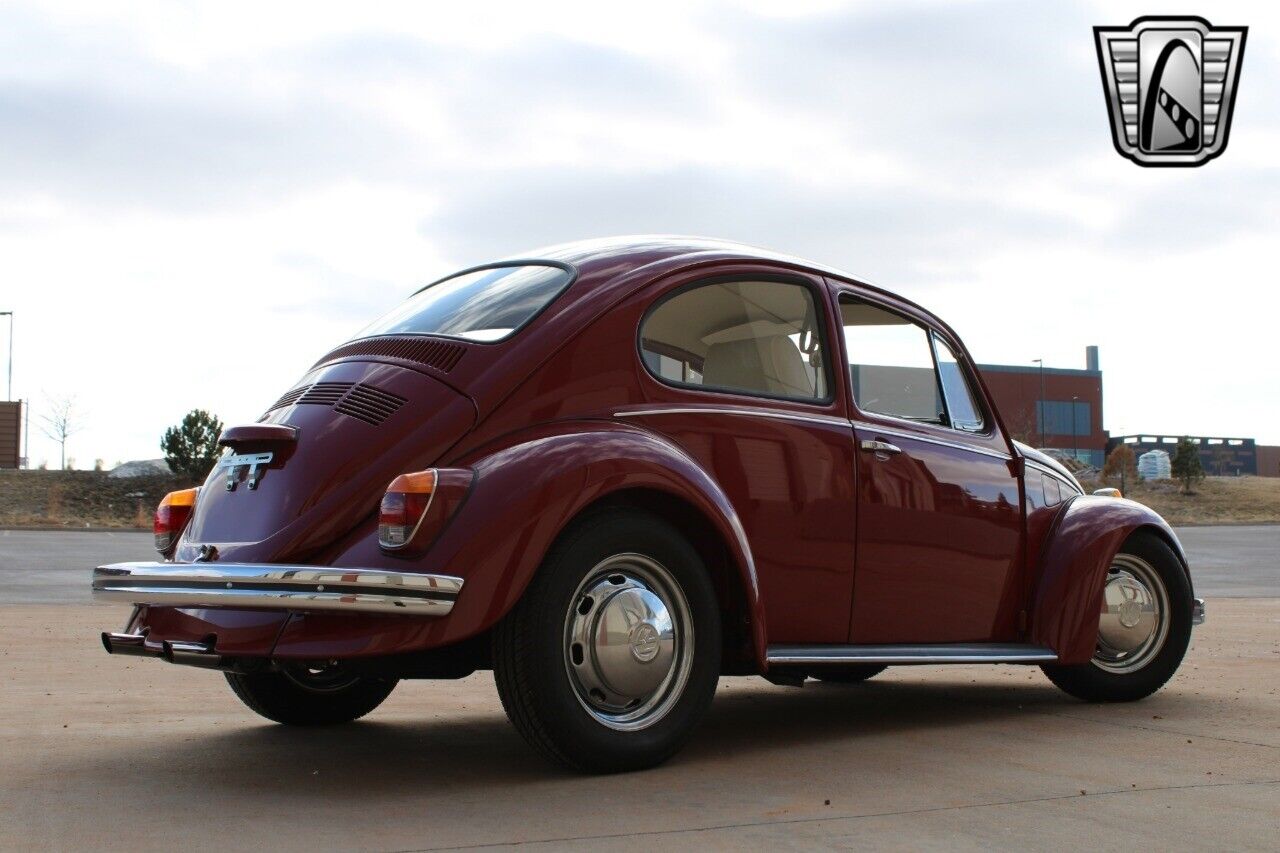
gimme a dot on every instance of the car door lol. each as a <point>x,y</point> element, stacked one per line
<point>939,512</point>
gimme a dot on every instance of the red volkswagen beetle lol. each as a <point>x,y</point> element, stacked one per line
<point>614,470</point>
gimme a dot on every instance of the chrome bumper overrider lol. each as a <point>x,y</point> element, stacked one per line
<point>276,587</point>
<point>1197,611</point>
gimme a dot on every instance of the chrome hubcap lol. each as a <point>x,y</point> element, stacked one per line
<point>628,642</point>
<point>1135,616</point>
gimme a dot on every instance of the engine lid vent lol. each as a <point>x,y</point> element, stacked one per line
<point>288,399</point>
<point>324,393</point>
<point>369,404</point>
<point>362,401</point>
<point>436,354</point>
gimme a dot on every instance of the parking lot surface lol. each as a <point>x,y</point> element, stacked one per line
<point>116,753</point>
<point>52,566</point>
<point>119,753</point>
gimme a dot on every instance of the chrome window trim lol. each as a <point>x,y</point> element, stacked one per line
<point>829,420</point>
<point>929,439</point>
<point>277,587</point>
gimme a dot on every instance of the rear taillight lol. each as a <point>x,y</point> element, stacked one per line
<point>172,516</point>
<point>404,506</point>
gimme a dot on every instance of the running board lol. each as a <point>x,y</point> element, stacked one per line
<point>891,655</point>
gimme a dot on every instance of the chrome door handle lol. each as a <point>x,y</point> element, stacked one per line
<point>878,446</point>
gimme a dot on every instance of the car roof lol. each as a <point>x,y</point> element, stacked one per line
<point>607,259</point>
<point>624,253</point>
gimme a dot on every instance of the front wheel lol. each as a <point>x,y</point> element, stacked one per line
<point>317,694</point>
<point>1144,628</point>
<point>612,655</point>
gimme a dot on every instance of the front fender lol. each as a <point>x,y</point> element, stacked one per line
<point>1085,537</point>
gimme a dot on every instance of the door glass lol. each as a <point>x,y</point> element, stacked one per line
<point>890,363</point>
<point>960,400</point>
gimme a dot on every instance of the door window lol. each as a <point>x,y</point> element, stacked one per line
<point>962,407</point>
<point>753,337</point>
<point>891,363</point>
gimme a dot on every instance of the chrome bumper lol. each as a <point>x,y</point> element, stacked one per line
<point>1197,611</point>
<point>276,587</point>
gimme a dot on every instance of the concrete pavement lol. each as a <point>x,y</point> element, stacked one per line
<point>127,754</point>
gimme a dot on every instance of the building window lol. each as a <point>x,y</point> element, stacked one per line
<point>1064,417</point>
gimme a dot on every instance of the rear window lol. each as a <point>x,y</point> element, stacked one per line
<point>482,305</point>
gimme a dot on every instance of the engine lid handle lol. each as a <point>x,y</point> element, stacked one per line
<point>258,434</point>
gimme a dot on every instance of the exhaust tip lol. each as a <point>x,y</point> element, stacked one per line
<point>106,642</point>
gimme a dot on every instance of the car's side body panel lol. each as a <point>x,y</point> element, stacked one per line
<point>524,495</point>
<point>1085,536</point>
<point>939,544</point>
<point>785,467</point>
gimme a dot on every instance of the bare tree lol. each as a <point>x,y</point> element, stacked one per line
<point>62,422</point>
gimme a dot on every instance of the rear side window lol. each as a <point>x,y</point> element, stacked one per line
<point>483,305</point>
<point>753,337</point>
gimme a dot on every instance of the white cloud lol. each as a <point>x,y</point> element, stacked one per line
<point>197,201</point>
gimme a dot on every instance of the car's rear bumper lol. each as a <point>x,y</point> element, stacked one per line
<point>277,587</point>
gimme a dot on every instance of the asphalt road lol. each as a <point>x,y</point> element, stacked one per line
<point>137,755</point>
<point>52,567</point>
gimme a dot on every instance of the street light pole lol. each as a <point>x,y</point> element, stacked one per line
<point>1074,454</point>
<point>1042,412</point>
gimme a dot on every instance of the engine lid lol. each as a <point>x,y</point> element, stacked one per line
<point>357,425</point>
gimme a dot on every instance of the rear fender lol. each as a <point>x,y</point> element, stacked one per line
<point>1067,600</point>
<point>524,494</point>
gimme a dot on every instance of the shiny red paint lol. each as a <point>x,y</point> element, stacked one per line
<point>1087,533</point>
<point>809,540</point>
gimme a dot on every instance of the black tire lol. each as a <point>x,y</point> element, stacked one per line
<point>853,674</point>
<point>1090,682</point>
<point>302,697</point>
<point>530,648</point>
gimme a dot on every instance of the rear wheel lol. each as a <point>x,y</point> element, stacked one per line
<point>311,694</point>
<point>852,674</point>
<point>1144,628</point>
<point>612,655</point>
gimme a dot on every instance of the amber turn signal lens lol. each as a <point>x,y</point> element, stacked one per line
<point>172,516</point>
<point>403,507</point>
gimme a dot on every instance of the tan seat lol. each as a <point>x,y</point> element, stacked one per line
<point>769,365</point>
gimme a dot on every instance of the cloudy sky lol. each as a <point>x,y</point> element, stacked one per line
<point>196,201</point>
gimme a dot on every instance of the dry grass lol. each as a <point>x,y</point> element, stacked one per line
<point>1218,500</point>
<point>79,499</point>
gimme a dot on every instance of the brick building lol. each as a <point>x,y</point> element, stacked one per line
<point>1059,408</point>
<point>10,433</point>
